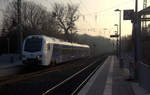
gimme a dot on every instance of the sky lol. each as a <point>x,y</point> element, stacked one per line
<point>97,17</point>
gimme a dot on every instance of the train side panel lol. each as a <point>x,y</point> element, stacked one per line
<point>45,50</point>
<point>47,54</point>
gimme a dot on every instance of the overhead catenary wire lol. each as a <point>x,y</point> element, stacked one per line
<point>110,8</point>
<point>85,17</point>
<point>99,13</point>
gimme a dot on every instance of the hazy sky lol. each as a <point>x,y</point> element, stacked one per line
<point>97,17</point>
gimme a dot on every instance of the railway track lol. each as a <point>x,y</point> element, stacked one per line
<point>40,81</point>
<point>74,83</point>
<point>35,72</point>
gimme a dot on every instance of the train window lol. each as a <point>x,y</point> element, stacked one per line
<point>33,45</point>
<point>56,50</point>
<point>56,47</point>
<point>66,51</point>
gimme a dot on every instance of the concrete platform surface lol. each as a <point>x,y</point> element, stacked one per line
<point>108,80</point>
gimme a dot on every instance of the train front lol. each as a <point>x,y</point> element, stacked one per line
<point>32,50</point>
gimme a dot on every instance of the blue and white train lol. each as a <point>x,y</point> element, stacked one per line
<point>43,50</point>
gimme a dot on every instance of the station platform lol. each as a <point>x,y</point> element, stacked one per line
<point>109,79</point>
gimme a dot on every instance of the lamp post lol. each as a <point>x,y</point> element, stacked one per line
<point>19,26</point>
<point>137,40</point>
<point>117,51</point>
<point>117,10</point>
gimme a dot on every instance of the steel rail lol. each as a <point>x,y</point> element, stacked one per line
<point>100,66</point>
<point>69,78</point>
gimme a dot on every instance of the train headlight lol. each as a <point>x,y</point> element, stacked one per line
<point>39,56</point>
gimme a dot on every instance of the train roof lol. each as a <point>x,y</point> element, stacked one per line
<point>58,41</point>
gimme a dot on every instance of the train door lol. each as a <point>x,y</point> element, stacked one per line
<point>56,53</point>
<point>46,54</point>
<point>49,53</point>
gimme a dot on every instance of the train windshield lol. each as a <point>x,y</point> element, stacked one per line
<point>33,45</point>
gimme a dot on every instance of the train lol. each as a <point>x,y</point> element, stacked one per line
<point>45,51</point>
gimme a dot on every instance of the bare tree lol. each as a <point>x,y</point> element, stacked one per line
<point>35,19</point>
<point>66,16</point>
<point>60,22</point>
